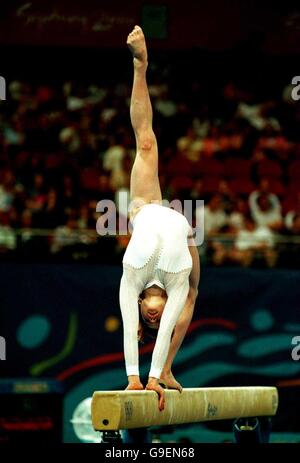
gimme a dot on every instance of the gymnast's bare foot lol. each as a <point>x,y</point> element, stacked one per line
<point>167,378</point>
<point>137,45</point>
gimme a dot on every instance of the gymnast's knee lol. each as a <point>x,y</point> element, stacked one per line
<point>146,140</point>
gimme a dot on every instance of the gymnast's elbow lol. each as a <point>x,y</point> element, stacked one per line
<point>192,295</point>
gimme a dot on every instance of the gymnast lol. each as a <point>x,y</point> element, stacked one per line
<point>161,268</point>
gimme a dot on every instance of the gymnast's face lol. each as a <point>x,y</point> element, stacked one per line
<point>152,307</point>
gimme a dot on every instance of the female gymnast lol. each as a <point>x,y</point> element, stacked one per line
<point>161,269</point>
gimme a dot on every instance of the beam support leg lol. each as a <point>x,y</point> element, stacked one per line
<point>136,436</point>
<point>252,430</point>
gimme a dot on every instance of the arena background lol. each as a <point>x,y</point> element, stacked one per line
<point>220,80</point>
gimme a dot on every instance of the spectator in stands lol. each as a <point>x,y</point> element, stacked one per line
<point>88,126</point>
<point>266,213</point>
<point>253,242</point>
<point>84,217</point>
<point>292,222</point>
<point>26,219</point>
<point>66,235</point>
<point>292,215</point>
<point>265,207</point>
<point>165,105</point>
<point>69,139</point>
<point>26,225</point>
<point>13,133</point>
<point>37,196</point>
<point>265,187</point>
<point>7,236</point>
<point>69,193</point>
<point>236,219</point>
<point>290,251</point>
<point>214,216</point>
<point>274,143</point>
<point>85,225</point>
<point>120,177</point>
<point>258,115</point>
<point>52,212</point>
<point>210,144</point>
<point>227,196</point>
<point>7,192</point>
<point>190,145</point>
<point>198,191</point>
<point>113,156</point>
<point>215,221</point>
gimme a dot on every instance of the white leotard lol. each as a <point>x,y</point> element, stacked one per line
<point>157,254</point>
<point>155,223</point>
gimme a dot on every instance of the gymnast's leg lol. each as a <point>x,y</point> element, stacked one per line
<point>144,182</point>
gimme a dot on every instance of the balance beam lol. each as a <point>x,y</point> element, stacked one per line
<point>115,410</point>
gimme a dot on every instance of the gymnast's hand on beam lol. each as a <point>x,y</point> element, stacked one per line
<point>134,384</point>
<point>153,385</point>
<point>170,382</point>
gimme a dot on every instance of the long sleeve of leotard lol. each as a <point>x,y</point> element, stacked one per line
<point>130,289</point>
<point>177,288</point>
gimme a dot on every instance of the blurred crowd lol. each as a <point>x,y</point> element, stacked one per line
<point>65,146</point>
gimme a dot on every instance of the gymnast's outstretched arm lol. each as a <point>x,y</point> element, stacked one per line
<point>183,321</point>
<point>177,288</point>
<point>130,288</point>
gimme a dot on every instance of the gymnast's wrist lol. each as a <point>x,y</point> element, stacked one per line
<point>152,380</point>
<point>133,379</point>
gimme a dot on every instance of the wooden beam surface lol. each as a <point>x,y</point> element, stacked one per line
<point>114,410</point>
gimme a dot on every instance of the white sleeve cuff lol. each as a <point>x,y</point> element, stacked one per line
<point>132,370</point>
<point>155,372</point>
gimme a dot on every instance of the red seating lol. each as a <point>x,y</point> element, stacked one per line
<point>235,167</point>
<point>208,167</point>
<point>276,187</point>
<point>288,204</point>
<point>89,179</point>
<point>20,159</point>
<point>179,166</point>
<point>181,184</point>
<point>52,161</point>
<point>268,168</point>
<point>294,170</point>
<point>294,188</point>
<point>242,186</point>
<point>211,185</point>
